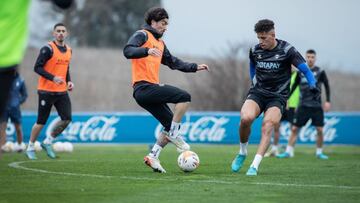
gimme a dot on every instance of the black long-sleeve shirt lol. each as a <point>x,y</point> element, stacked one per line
<point>45,54</point>
<point>307,97</point>
<point>272,68</point>
<point>133,50</point>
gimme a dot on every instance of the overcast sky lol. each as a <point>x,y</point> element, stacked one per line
<point>331,27</point>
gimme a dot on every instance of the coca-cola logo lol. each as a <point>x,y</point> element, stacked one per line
<point>205,129</point>
<point>96,128</point>
<point>308,132</point>
<point>10,131</point>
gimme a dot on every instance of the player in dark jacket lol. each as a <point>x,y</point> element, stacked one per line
<point>310,108</point>
<point>17,96</point>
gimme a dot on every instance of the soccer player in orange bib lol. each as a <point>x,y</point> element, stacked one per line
<point>147,51</point>
<point>54,83</point>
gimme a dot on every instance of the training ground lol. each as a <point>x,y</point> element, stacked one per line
<point>116,173</point>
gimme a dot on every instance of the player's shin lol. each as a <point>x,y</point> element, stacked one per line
<point>57,130</point>
<point>59,127</point>
<point>161,142</point>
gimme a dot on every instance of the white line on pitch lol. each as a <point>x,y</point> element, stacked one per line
<point>17,165</point>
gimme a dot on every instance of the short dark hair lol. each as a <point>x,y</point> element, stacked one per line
<point>64,4</point>
<point>156,14</point>
<point>59,24</point>
<point>264,25</point>
<point>311,51</point>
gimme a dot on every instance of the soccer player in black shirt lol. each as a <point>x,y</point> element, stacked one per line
<point>310,108</point>
<point>270,72</point>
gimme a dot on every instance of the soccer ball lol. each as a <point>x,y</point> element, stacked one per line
<point>188,161</point>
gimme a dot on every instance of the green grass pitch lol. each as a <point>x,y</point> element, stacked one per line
<point>116,173</point>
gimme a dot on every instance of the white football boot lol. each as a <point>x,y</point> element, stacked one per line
<point>154,163</point>
<point>178,141</point>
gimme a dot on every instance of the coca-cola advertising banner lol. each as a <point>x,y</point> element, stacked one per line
<point>197,127</point>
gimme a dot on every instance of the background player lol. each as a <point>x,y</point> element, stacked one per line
<point>52,65</point>
<point>17,96</point>
<point>310,108</point>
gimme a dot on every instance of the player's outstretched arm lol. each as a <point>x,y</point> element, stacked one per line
<point>177,64</point>
<point>304,68</point>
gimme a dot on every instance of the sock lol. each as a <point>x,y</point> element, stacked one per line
<point>31,146</point>
<point>318,151</point>
<point>290,150</point>
<point>243,148</point>
<point>256,161</point>
<point>174,129</point>
<point>155,151</point>
<point>48,140</point>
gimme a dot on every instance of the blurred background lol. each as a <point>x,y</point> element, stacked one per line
<point>217,33</point>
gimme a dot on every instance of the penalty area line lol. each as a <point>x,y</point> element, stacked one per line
<point>18,165</point>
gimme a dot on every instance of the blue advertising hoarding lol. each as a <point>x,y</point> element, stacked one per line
<point>197,127</point>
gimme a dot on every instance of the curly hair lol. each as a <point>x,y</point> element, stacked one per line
<point>264,25</point>
<point>156,14</point>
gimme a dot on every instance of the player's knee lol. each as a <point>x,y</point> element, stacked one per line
<point>246,119</point>
<point>319,130</point>
<point>185,97</point>
<point>294,129</point>
<point>269,123</point>
<point>41,122</point>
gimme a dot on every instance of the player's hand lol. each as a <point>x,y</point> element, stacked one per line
<point>327,106</point>
<point>70,86</point>
<point>203,67</point>
<point>58,80</point>
<point>154,52</point>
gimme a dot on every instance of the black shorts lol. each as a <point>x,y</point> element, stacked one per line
<point>60,101</point>
<point>266,101</point>
<point>288,115</point>
<point>303,114</point>
<point>154,98</point>
<point>13,113</point>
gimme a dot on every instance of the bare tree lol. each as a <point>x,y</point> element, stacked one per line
<point>226,87</point>
<point>106,23</point>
